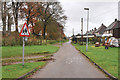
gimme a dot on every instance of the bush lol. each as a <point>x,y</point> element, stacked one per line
<point>11,41</point>
<point>52,42</point>
<point>14,39</point>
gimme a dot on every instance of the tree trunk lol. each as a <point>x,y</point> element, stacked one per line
<point>15,13</point>
<point>44,30</point>
<point>16,24</point>
<point>16,19</point>
<point>9,24</point>
<point>46,40</point>
<point>4,17</point>
<point>4,26</point>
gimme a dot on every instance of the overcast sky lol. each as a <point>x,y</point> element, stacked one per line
<point>100,12</point>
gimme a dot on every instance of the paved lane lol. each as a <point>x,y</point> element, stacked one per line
<point>69,63</point>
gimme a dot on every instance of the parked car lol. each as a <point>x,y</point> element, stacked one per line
<point>97,44</point>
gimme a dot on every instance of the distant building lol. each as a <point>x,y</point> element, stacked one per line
<point>91,32</point>
<point>100,31</point>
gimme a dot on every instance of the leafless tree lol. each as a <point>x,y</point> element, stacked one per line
<point>3,12</point>
<point>16,6</point>
<point>47,12</point>
<point>51,11</point>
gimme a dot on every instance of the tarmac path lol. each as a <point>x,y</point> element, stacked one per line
<point>69,63</point>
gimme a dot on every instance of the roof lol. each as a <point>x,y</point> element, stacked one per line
<point>89,36</point>
<point>91,32</point>
<point>94,31</point>
<point>101,29</point>
<point>115,24</point>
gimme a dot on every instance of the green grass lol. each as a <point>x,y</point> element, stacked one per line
<point>17,70</point>
<point>107,59</point>
<point>14,51</point>
<point>25,60</point>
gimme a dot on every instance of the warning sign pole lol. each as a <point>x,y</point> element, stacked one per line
<point>23,49</point>
<point>24,33</point>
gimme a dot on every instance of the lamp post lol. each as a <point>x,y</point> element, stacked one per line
<point>87,27</point>
<point>82,30</point>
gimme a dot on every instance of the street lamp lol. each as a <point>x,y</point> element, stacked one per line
<point>87,27</point>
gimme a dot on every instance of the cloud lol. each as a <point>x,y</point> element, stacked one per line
<point>100,12</point>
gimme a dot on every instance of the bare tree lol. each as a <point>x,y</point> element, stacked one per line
<point>3,12</point>
<point>9,15</point>
<point>29,12</point>
<point>10,22</point>
<point>16,6</point>
<point>46,12</point>
<point>51,11</point>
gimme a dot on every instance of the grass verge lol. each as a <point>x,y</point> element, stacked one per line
<point>17,70</point>
<point>16,51</point>
<point>107,59</point>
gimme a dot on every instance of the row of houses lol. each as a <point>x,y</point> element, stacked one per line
<point>112,30</point>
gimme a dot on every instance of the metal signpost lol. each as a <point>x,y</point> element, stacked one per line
<point>23,49</point>
<point>24,33</point>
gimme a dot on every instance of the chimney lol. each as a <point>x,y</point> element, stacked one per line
<point>115,20</point>
<point>95,29</point>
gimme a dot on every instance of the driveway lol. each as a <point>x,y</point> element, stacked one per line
<point>69,63</point>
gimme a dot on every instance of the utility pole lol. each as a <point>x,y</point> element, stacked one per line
<point>60,35</point>
<point>82,30</point>
<point>73,36</point>
<point>73,31</point>
<point>87,27</point>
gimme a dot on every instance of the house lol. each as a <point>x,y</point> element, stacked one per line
<point>91,32</point>
<point>82,38</point>
<point>99,32</point>
<point>114,29</point>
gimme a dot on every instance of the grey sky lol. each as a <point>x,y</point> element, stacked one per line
<point>100,12</point>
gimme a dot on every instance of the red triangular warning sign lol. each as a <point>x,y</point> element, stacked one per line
<point>25,31</point>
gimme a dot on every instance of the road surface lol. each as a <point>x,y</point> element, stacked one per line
<point>69,63</point>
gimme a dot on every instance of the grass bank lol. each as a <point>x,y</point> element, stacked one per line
<point>107,59</point>
<point>17,70</point>
<point>16,51</point>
